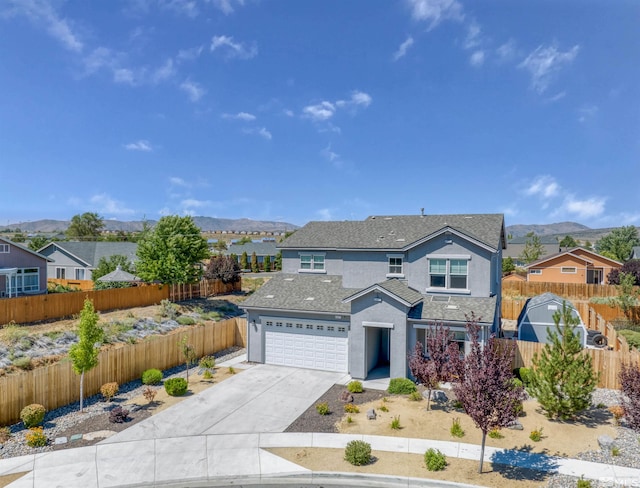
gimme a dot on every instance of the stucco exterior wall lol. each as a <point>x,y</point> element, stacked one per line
<point>19,258</point>
<point>552,271</point>
<point>60,259</point>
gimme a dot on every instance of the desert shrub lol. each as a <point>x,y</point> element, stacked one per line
<point>151,377</point>
<point>207,365</point>
<point>435,460</point>
<point>355,386</point>
<point>525,376</point>
<point>109,390</point>
<point>351,408</point>
<point>395,423</point>
<point>176,386</point>
<point>168,309</point>
<point>186,320</point>
<point>149,393</point>
<point>5,434</point>
<point>323,408</point>
<point>35,437</point>
<point>457,404</point>
<point>632,337</point>
<point>415,396</point>
<point>401,386</point>
<point>615,451</point>
<point>582,483</point>
<point>495,434</point>
<point>358,453</point>
<point>618,412</point>
<point>349,419</point>
<point>25,363</point>
<point>536,435</point>
<point>118,415</point>
<point>32,415</point>
<point>383,408</point>
<point>232,370</point>
<point>456,429</point>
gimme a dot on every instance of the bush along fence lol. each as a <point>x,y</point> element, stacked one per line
<point>58,385</point>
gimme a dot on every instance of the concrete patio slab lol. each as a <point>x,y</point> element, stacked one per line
<point>183,458</point>
<point>126,463</point>
<point>233,462</point>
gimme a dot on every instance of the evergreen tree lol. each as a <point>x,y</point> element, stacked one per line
<point>267,263</point>
<point>254,263</point>
<point>619,243</point>
<point>563,378</point>
<point>508,265</point>
<point>533,248</point>
<point>85,227</point>
<point>244,261</point>
<point>277,264</point>
<point>84,354</point>
<point>106,266</point>
<point>568,242</point>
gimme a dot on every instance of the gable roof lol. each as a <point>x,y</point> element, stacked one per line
<point>393,288</point>
<point>305,293</point>
<point>576,253</point>
<point>260,248</point>
<point>443,308</point>
<point>24,248</point>
<point>397,232</point>
<point>542,299</point>
<point>90,252</point>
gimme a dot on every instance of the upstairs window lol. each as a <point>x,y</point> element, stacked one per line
<point>438,273</point>
<point>312,262</point>
<point>458,273</point>
<point>395,265</point>
<point>4,248</point>
<point>449,274</point>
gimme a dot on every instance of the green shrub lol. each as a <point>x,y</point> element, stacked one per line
<point>395,423</point>
<point>32,415</point>
<point>401,386</point>
<point>5,434</point>
<point>109,390</point>
<point>231,370</point>
<point>435,460</point>
<point>457,404</point>
<point>323,408</point>
<point>35,437</point>
<point>456,428</point>
<point>358,453</point>
<point>23,363</point>
<point>176,386</point>
<point>151,377</point>
<point>615,451</point>
<point>351,408</point>
<point>632,337</point>
<point>495,434</point>
<point>355,386</point>
<point>168,309</point>
<point>582,483</point>
<point>186,320</point>
<point>517,383</point>
<point>207,365</point>
<point>415,396</point>
<point>536,435</point>
<point>383,408</point>
<point>349,419</point>
<point>525,376</point>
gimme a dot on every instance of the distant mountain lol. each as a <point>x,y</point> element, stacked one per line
<point>566,228</point>
<point>207,224</point>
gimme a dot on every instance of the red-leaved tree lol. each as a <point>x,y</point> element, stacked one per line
<point>630,382</point>
<point>440,361</point>
<point>485,387</point>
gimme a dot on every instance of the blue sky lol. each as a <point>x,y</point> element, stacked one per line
<point>312,110</point>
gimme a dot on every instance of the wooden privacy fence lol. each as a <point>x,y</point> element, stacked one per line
<point>607,363</point>
<point>57,385</point>
<point>82,285</point>
<point>203,289</point>
<point>571,291</point>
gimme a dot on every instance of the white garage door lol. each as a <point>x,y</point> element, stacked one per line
<point>325,352</point>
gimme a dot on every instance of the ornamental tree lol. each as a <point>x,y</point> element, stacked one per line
<point>106,266</point>
<point>533,248</point>
<point>619,243</point>
<point>562,377</point>
<point>85,227</point>
<point>244,260</point>
<point>630,382</point>
<point>84,354</point>
<point>485,387</point>
<point>172,251</point>
<point>223,268</point>
<point>266,264</point>
<point>254,263</point>
<point>631,267</point>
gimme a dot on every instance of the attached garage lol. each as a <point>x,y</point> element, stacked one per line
<point>312,344</point>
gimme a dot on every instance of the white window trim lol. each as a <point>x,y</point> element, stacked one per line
<point>64,270</point>
<point>5,248</point>
<point>395,256</point>
<point>381,325</point>
<point>535,271</point>
<point>75,273</point>
<point>312,254</point>
<point>447,288</point>
<point>574,268</point>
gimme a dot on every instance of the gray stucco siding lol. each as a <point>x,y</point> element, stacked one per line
<point>332,262</point>
<point>63,260</point>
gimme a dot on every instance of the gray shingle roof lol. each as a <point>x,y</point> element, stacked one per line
<point>394,232</point>
<point>260,248</point>
<point>119,275</point>
<point>313,293</point>
<point>91,252</point>
<point>455,308</point>
<point>394,287</point>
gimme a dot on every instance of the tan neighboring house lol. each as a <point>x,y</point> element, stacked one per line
<point>575,265</point>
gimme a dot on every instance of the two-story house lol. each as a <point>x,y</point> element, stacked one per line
<point>22,271</point>
<point>354,296</point>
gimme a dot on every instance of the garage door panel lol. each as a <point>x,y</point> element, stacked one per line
<point>311,351</point>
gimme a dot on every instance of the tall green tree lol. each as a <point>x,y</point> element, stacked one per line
<point>84,354</point>
<point>244,240</point>
<point>563,378</point>
<point>619,243</point>
<point>508,266</point>
<point>38,242</point>
<point>244,261</point>
<point>106,266</point>
<point>254,263</point>
<point>568,242</point>
<point>172,251</point>
<point>19,237</point>
<point>533,248</point>
<point>277,263</point>
<point>266,264</point>
<point>85,227</point>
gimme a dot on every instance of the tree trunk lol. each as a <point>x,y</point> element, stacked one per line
<point>81,391</point>
<point>428,399</point>
<point>484,438</point>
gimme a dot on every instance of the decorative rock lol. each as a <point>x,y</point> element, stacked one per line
<point>371,414</point>
<point>606,442</point>
<point>75,437</point>
<point>437,396</point>
<point>100,434</point>
<point>515,425</point>
<point>60,440</point>
<point>346,396</point>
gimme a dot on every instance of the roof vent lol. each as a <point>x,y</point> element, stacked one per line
<point>452,307</point>
<point>309,299</point>
<point>388,218</point>
<point>326,281</point>
<point>400,239</point>
<point>268,296</point>
<point>288,279</point>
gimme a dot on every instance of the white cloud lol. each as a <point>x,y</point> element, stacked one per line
<point>164,72</point>
<point>194,90</point>
<point>247,117</point>
<point>141,145</point>
<point>234,49</point>
<point>329,154</point>
<point>591,207</point>
<point>107,205</point>
<point>435,11</point>
<point>361,98</point>
<point>587,112</point>
<point>556,97</point>
<point>544,186</point>
<point>404,47</point>
<point>288,113</point>
<point>477,59</point>
<point>507,51</point>
<point>319,112</point>
<point>544,62</point>
<point>473,38</point>
<point>124,75</point>
<point>226,6</point>
<point>324,214</point>
<point>261,131</point>
<point>183,7</point>
<point>42,12</point>
<point>190,54</point>
<point>192,202</point>
<point>177,181</point>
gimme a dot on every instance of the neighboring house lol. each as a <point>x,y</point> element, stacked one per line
<point>77,260</point>
<point>575,265</point>
<point>262,250</point>
<point>22,271</point>
<point>516,246</point>
<point>536,318</point>
<point>635,253</point>
<point>354,296</point>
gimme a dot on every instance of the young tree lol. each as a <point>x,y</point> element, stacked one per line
<point>254,263</point>
<point>38,242</point>
<point>630,382</point>
<point>220,245</point>
<point>508,266</point>
<point>628,295</point>
<point>267,263</point>
<point>533,248</point>
<point>188,353</point>
<point>84,354</point>
<point>106,266</point>
<point>244,240</point>
<point>619,243</point>
<point>172,251</point>
<point>568,242</point>
<point>223,268</point>
<point>244,261</point>
<point>443,361</point>
<point>277,263</point>
<point>85,227</point>
<point>486,388</point>
<point>562,378</point>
